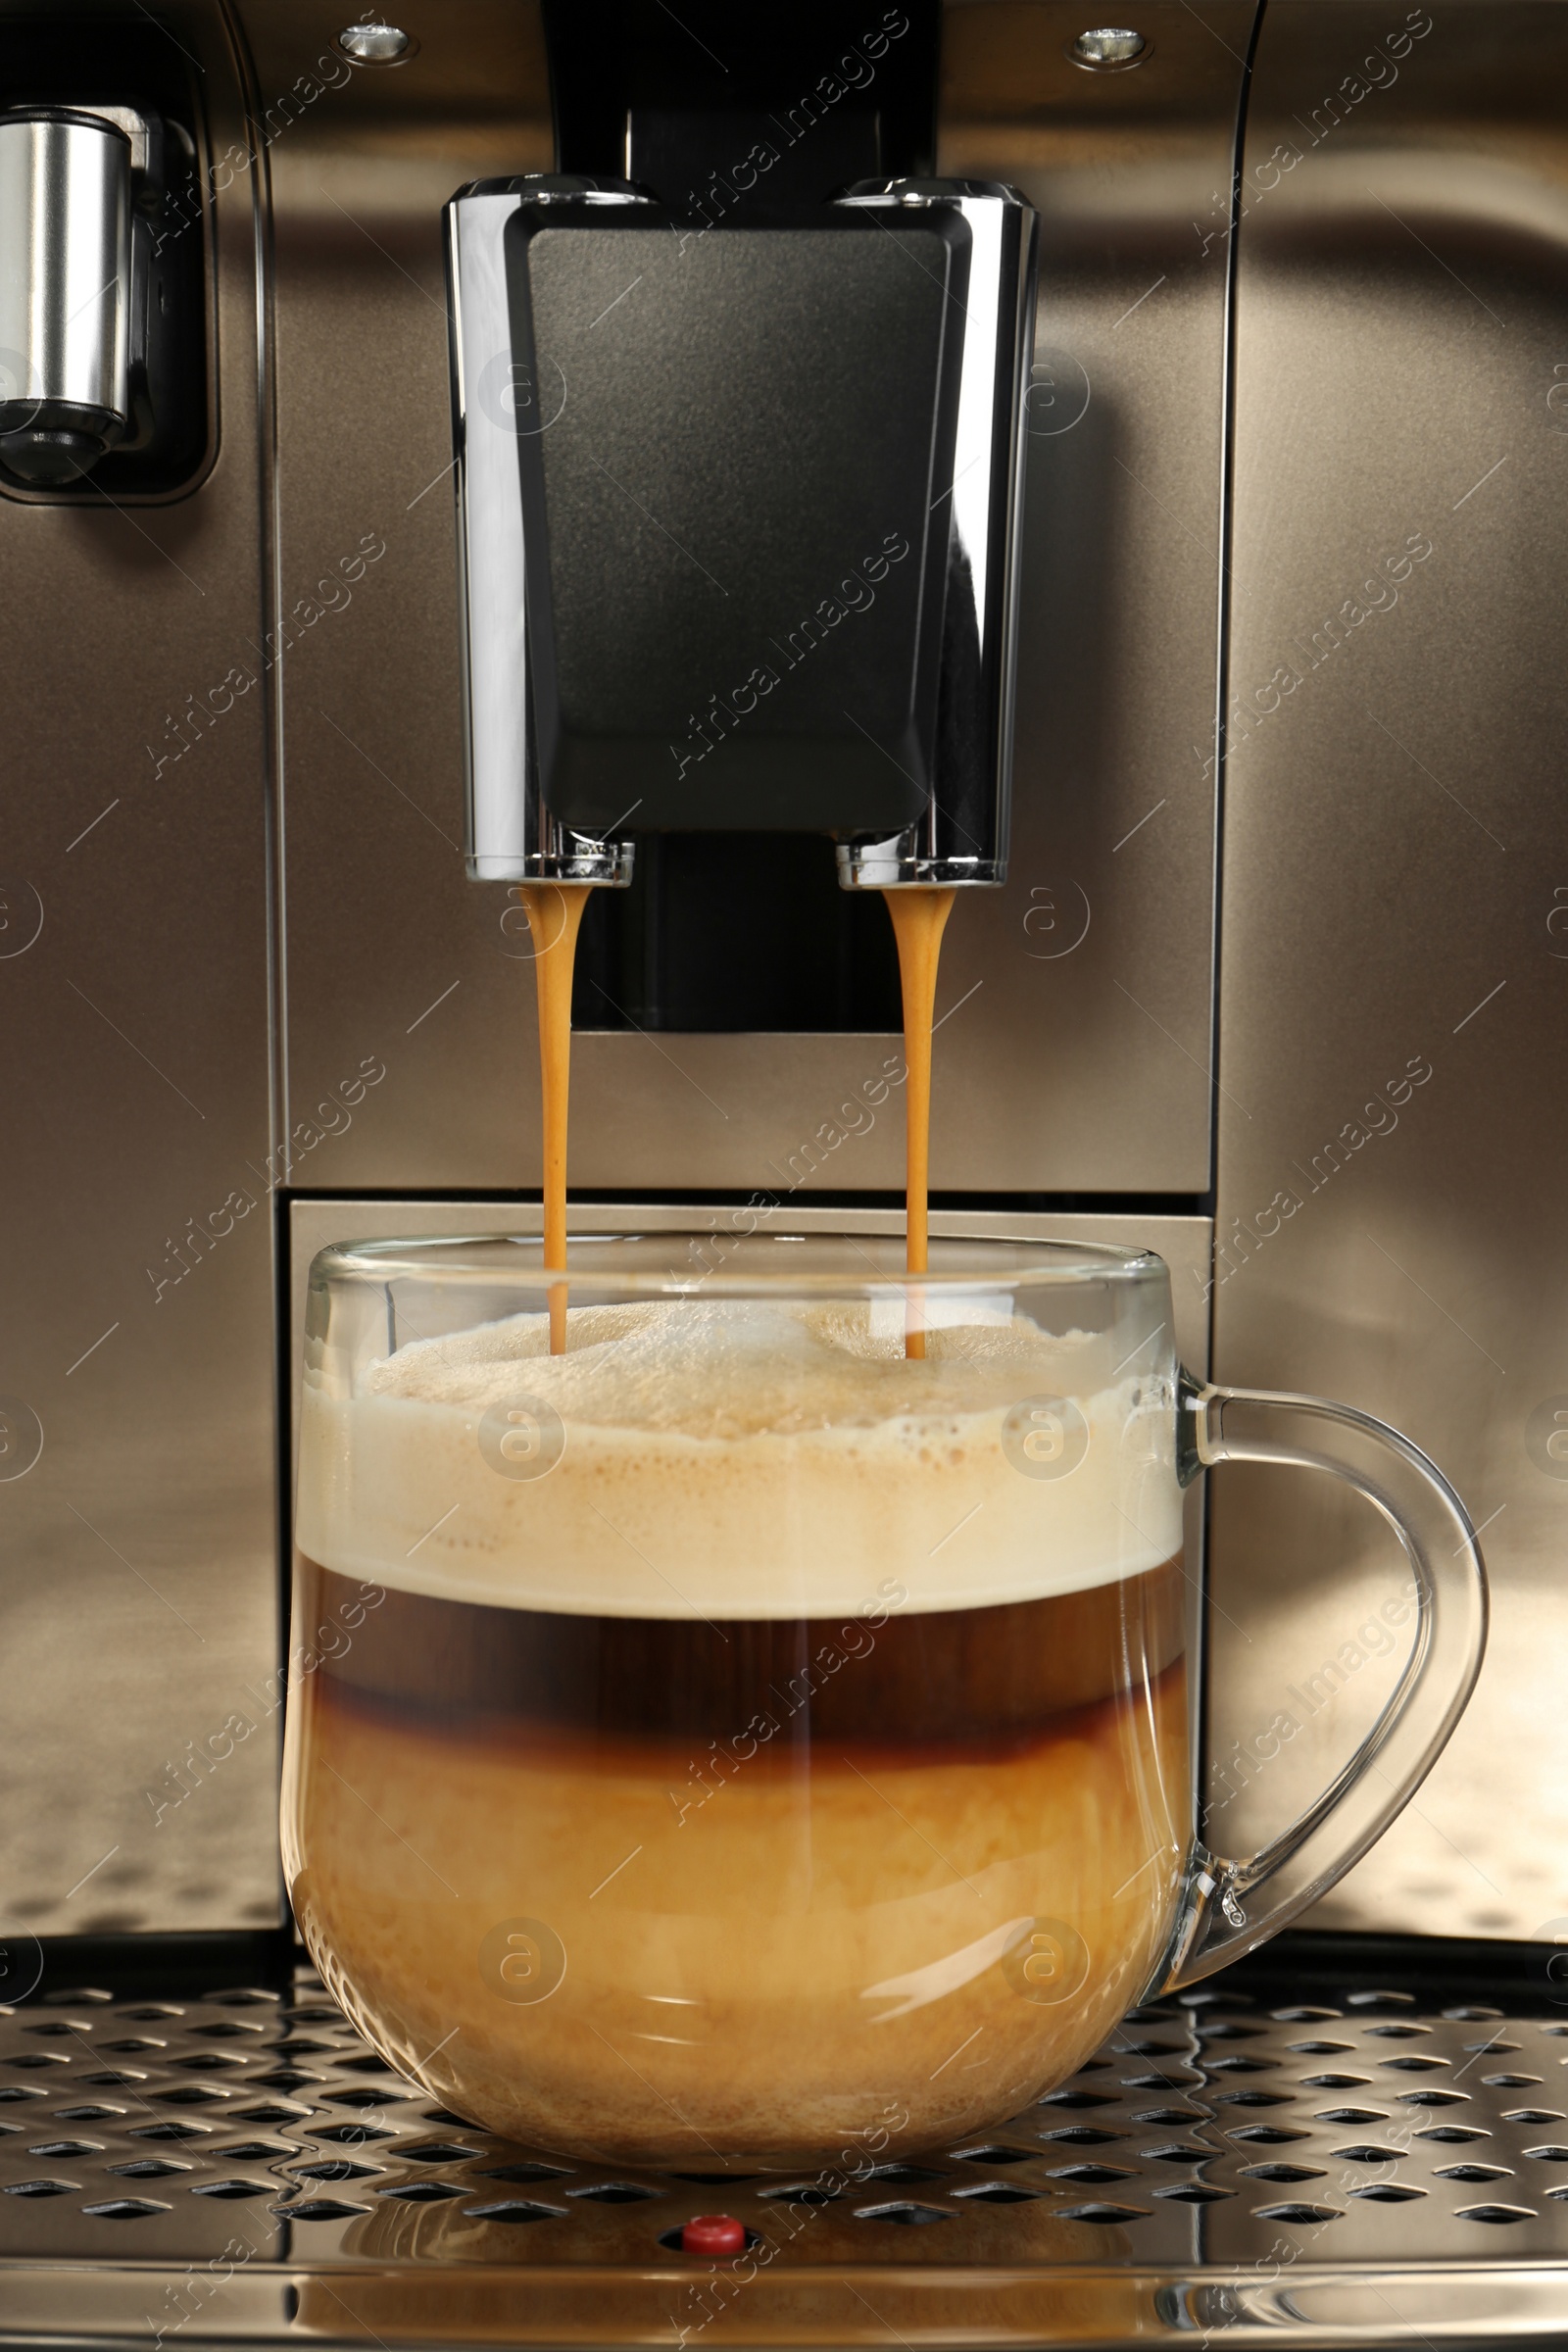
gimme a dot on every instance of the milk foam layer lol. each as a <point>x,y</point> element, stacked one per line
<point>739,1459</point>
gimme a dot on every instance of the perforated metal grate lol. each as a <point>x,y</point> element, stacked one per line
<point>251,2129</point>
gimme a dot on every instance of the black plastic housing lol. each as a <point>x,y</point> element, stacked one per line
<point>736,619</point>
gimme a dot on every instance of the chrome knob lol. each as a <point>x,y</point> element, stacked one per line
<point>65,302</point>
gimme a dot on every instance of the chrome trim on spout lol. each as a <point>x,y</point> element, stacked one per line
<point>511,835</point>
<point>961,838</point>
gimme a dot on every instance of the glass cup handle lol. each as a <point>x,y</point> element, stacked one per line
<point>1220,1918</point>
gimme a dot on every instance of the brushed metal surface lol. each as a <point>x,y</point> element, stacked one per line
<point>1393,880</point>
<point>137,1555</point>
<point>139,1581</point>
<point>389,950</point>
<point>1080,997</point>
<point>1086,1060</point>
<point>1391,892</point>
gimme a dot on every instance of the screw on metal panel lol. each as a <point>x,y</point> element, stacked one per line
<point>1105,48</point>
<point>376,44</point>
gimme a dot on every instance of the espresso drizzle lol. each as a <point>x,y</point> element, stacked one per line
<point>555,911</point>
<point>920,918</point>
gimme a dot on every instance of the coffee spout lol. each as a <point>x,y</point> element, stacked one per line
<point>738,511</point>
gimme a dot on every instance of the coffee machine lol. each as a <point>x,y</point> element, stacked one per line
<point>1257,967</point>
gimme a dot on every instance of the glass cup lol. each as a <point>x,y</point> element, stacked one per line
<point>735,1742</point>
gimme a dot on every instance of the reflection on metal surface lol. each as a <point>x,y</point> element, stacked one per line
<point>1390,1124</point>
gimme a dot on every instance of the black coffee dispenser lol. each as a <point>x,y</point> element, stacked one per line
<point>739,512</point>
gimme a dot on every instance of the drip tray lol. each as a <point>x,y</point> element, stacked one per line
<point>1357,2164</point>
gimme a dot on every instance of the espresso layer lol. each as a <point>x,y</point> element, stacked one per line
<point>971,1677</point>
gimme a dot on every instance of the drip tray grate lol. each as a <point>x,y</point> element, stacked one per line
<point>241,2167</point>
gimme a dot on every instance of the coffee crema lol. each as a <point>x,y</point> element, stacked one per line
<point>686,1802</point>
<point>738,1458</point>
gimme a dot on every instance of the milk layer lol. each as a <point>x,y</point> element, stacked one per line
<point>722,1458</point>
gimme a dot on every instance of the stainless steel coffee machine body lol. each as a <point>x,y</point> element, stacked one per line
<point>252,991</point>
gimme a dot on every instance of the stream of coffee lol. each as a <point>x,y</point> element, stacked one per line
<point>920,918</point>
<point>554,913</point>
